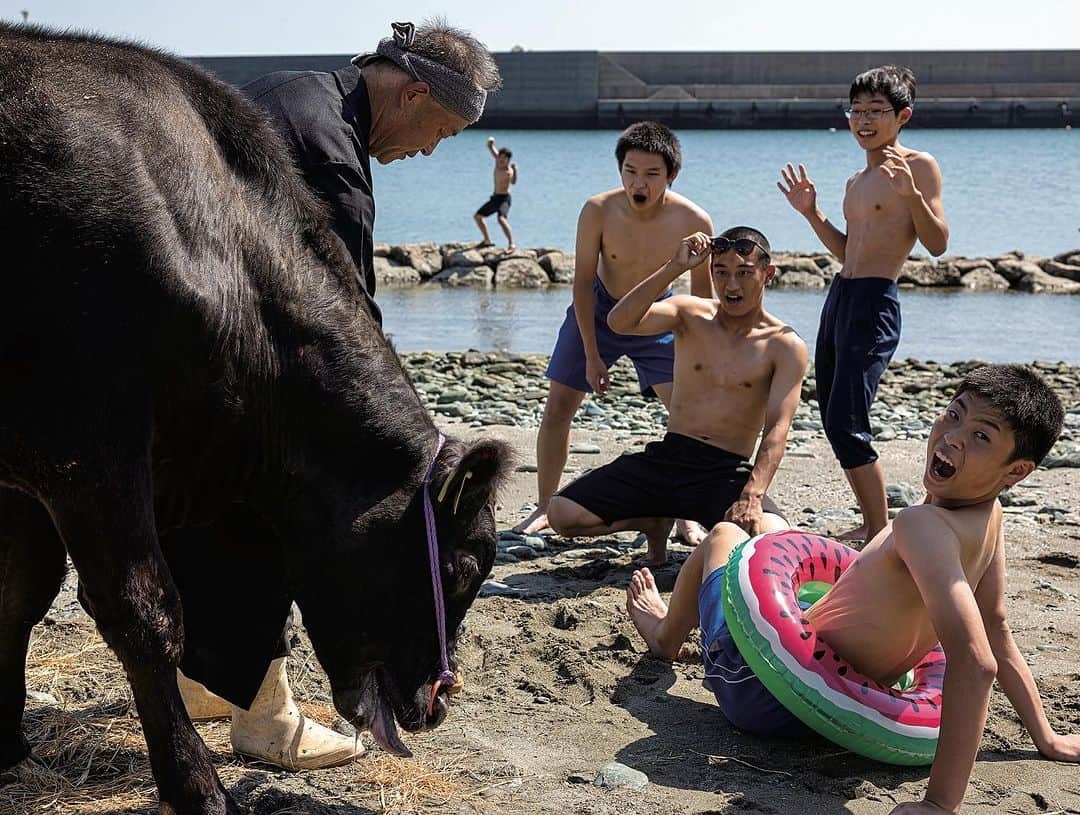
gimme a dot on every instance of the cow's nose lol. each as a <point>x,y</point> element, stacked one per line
<point>438,711</point>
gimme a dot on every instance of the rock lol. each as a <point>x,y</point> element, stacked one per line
<point>380,250</point>
<point>1072,258</point>
<point>424,257</point>
<point>559,267</point>
<point>984,278</point>
<point>463,257</point>
<point>580,778</point>
<point>1039,282</point>
<point>926,273</point>
<point>586,448</point>
<point>536,542</point>
<point>520,273</point>
<point>522,552</point>
<point>389,273</point>
<point>797,279</point>
<point>902,494</point>
<point>1066,270</point>
<point>619,775</point>
<point>496,588</point>
<point>477,276</point>
<point>795,263</point>
<point>43,698</point>
<point>1063,454</point>
<point>962,266</point>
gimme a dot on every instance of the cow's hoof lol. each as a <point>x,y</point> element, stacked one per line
<point>13,752</point>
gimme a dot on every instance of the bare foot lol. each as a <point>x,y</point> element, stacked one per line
<point>534,523</point>
<point>647,611</point>
<point>853,535</point>
<point>690,532</point>
<point>510,247</point>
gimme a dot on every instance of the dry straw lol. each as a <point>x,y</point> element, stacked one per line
<point>91,757</point>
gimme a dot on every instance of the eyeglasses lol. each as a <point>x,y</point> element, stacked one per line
<point>871,115</point>
<point>744,247</point>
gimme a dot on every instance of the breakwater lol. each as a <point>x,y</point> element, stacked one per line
<point>469,264</point>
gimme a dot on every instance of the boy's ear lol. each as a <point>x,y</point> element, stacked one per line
<point>671,178</point>
<point>769,273</point>
<point>903,115</point>
<point>1018,471</point>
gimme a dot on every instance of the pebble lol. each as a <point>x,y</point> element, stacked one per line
<point>496,588</point>
<point>580,778</point>
<point>586,448</point>
<point>521,552</point>
<point>44,698</point>
<point>536,542</point>
<point>903,494</point>
<point>619,775</point>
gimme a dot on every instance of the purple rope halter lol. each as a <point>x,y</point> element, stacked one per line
<point>447,676</point>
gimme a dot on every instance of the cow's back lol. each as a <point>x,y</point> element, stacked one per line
<point>146,209</point>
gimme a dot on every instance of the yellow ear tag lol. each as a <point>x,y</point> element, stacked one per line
<point>461,489</point>
<point>446,485</point>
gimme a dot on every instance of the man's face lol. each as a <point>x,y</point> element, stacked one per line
<point>740,281</point>
<point>644,177</point>
<point>873,122</point>
<point>968,452</point>
<point>503,161</point>
<point>416,125</point>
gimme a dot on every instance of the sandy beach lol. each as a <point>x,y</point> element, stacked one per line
<point>559,685</point>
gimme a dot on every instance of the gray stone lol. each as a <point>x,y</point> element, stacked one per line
<point>463,257</point>
<point>586,448</point>
<point>522,552</point>
<point>380,250</point>
<point>902,494</point>
<point>1012,269</point>
<point>496,588</point>
<point>1072,258</point>
<point>1058,269</point>
<point>796,263</point>
<point>389,273</point>
<point>797,279</point>
<point>426,257</point>
<point>964,265</point>
<point>984,278</point>
<point>926,273</point>
<point>536,542</point>
<point>477,276</point>
<point>580,778</point>
<point>619,775</point>
<point>559,267</point>
<point>520,273</point>
<point>1039,282</point>
<point>1063,454</point>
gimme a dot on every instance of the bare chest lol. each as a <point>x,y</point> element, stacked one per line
<point>871,198</point>
<point>629,251</point>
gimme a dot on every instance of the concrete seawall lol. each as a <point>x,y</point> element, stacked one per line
<point>600,89</point>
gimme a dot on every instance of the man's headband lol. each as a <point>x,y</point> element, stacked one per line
<point>452,90</point>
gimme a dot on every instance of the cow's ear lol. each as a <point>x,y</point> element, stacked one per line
<point>475,478</point>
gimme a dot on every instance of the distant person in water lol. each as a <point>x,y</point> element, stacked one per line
<point>623,236</point>
<point>894,200</point>
<point>738,376</point>
<point>499,202</point>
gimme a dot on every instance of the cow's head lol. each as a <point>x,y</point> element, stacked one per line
<point>369,606</point>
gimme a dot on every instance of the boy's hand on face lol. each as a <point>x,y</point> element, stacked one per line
<point>596,374</point>
<point>746,512</point>
<point>898,171</point>
<point>800,191</point>
<point>692,250</point>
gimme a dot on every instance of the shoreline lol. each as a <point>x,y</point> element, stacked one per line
<point>485,389</point>
<point>466,263</point>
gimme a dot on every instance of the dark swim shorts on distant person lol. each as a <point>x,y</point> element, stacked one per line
<point>496,203</point>
<point>677,477</point>
<point>743,700</point>
<point>653,355</point>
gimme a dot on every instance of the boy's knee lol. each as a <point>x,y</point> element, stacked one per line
<point>724,532</point>
<point>563,514</point>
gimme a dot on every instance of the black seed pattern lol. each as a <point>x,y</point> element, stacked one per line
<point>819,654</point>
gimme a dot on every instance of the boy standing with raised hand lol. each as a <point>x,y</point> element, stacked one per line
<point>935,574</point>
<point>623,236</point>
<point>888,204</point>
<point>504,174</point>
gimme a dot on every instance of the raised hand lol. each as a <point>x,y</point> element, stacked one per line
<point>491,140</point>
<point>800,191</point>
<point>692,250</point>
<point>898,171</point>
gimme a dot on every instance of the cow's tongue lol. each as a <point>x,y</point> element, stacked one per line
<point>383,728</point>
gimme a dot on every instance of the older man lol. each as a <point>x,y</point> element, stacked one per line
<point>420,86</point>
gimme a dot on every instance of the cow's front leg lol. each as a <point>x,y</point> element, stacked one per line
<point>107,525</point>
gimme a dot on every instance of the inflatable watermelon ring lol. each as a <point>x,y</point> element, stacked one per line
<point>768,583</point>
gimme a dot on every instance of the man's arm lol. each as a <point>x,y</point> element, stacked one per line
<point>784,394</point>
<point>513,174</point>
<point>931,552</point>
<point>700,277</point>
<point>491,147</point>
<point>802,195</point>
<point>1013,673</point>
<point>637,312</point>
<point>586,258</point>
<point>918,181</point>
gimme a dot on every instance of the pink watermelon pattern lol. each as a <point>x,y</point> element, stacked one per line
<point>770,573</point>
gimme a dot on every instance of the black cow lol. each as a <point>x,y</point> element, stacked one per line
<point>181,341</point>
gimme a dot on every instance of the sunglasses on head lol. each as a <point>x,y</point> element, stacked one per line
<point>744,247</point>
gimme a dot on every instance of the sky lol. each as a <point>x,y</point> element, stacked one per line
<point>213,27</point>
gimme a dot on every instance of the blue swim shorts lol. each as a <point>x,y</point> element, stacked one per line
<point>653,355</point>
<point>743,700</point>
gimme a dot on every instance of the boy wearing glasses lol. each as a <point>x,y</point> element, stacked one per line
<point>894,200</point>
<point>738,373</point>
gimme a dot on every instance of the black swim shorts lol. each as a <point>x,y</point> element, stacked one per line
<point>496,203</point>
<point>677,477</point>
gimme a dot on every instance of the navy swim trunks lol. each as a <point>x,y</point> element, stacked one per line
<point>858,334</point>
<point>743,699</point>
<point>498,202</point>
<point>653,355</point>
